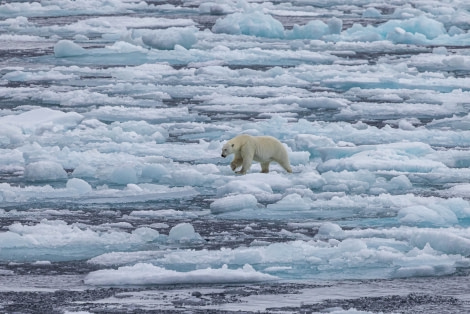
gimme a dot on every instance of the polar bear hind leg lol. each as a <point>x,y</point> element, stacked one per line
<point>265,167</point>
<point>285,164</point>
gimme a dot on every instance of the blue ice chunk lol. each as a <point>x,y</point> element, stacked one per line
<point>424,271</point>
<point>399,35</point>
<point>454,30</point>
<point>419,25</point>
<point>183,232</point>
<point>253,24</point>
<point>79,185</point>
<point>371,13</point>
<point>335,25</point>
<point>124,175</point>
<point>312,30</point>
<point>291,202</point>
<point>233,203</point>
<point>67,48</point>
<point>169,38</point>
<point>416,30</point>
<point>154,171</point>
<point>58,241</point>
<point>148,274</point>
<point>431,215</point>
<point>44,170</point>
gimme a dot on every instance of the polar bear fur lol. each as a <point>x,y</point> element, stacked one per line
<point>263,149</point>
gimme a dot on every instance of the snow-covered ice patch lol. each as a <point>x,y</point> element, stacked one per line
<point>44,171</point>
<point>233,203</point>
<point>183,232</point>
<point>67,48</point>
<point>58,241</point>
<point>148,274</point>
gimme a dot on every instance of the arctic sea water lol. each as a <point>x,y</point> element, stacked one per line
<point>113,115</point>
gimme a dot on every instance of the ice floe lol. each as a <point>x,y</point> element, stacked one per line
<point>147,274</point>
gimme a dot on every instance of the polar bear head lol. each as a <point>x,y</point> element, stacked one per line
<point>228,148</point>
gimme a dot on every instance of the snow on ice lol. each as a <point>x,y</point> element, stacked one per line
<point>50,239</point>
<point>147,274</point>
<point>120,109</point>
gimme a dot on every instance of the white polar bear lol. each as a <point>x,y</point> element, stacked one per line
<point>263,149</point>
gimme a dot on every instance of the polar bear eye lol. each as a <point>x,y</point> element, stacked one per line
<point>233,145</point>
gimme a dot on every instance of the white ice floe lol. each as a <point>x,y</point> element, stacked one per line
<point>39,120</point>
<point>67,48</point>
<point>413,30</point>
<point>292,202</point>
<point>148,274</point>
<point>44,171</point>
<point>183,232</point>
<point>333,253</point>
<point>81,191</point>
<point>233,203</point>
<point>59,7</point>
<point>59,241</point>
<point>166,38</point>
<point>255,23</point>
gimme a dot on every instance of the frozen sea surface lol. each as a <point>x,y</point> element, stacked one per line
<point>114,197</point>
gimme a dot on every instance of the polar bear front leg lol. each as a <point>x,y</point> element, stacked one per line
<point>246,165</point>
<point>247,157</point>
<point>236,162</point>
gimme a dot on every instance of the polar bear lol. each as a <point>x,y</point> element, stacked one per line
<point>263,149</point>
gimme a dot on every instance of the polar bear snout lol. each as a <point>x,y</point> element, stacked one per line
<point>225,152</point>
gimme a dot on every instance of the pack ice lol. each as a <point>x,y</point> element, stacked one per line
<point>112,122</point>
